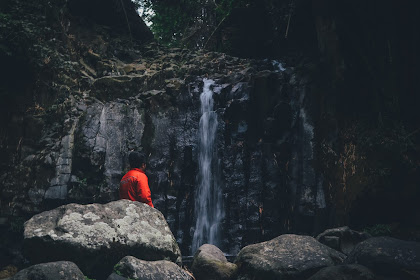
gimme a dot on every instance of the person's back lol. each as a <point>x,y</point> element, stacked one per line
<point>134,185</point>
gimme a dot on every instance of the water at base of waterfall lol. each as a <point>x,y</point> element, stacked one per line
<point>208,199</point>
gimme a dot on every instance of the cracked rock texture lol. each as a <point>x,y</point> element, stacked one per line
<point>342,239</point>
<point>132,268</point>
<point>62,270</point>
<point>344,272</point>
<point>388,257</point>
<point>210,263</point>
<point>286,257</point>
<point>97,236</point>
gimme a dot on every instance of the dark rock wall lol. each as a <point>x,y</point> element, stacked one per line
<point>368,126</point>
<point>116,96</point>
<point>365,116</point>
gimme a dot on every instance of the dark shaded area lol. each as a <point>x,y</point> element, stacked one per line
<point>121,16</point>
<point>365,61</point>
<point>373,57</point>
<point>16,96</point>
<point>267,28</point>
<point>369,112</point>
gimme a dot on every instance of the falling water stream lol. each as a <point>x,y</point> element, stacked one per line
<point>208,200</point>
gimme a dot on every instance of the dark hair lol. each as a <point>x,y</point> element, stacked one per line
<point>136,159</point>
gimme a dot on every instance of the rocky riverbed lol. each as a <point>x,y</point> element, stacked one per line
<point>130,240</point>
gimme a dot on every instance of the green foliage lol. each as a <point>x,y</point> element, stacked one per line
<point>225,7</point>
<point>172,21</point>
<point>80,186</point>
<point>4,17</point>
<point>83,182</point>
<point>117,268</point>
<point>87,278</point>
<point>379,230</point>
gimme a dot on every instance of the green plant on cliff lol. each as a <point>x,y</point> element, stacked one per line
<point>4,17</point>
<point>80,186</point>
<point>117,268</point>
<point>379,230</point>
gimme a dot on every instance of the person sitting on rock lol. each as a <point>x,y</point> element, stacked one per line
<point>134,185</point>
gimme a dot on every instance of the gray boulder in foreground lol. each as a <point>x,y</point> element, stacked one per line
<point>96,236</point>
<point>210,263</point>
<point>50,271</point>
<point>285,257</point>
<point>342,239</point>
<point>388,256</point>
<point>132,268</point>
<point>344,272</point>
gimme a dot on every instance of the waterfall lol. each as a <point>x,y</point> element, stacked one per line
<point>208,199</point>
<point>278,66</point>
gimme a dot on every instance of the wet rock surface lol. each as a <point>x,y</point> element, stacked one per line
<point>210,263</point>
<point>62,270</point>
<point>133,268</point>
<point>285,257</point>
<point>344,272</point>
<point>111,96</point>
<point>96,236</point>
<point>342,239</point>
<point>388,257</point>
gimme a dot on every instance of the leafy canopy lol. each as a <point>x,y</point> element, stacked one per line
<point>172,21</point>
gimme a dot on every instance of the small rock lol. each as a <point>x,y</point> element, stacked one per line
<point>132,268</point>
<point>342,239</point>
<point>344,272</point>
<point>81,107</point>
<point>29,158</point>
<point>285,257</point>
<point>62,270</point>
<point>210,263</point>
<point>115,276</point>
<point>8,271</point>
<point>388,256</point>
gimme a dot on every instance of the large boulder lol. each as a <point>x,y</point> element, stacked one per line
<point>210,263</point>
<point>96,236</point>
<point>285,257</point>
<point>342,239</point>
<point>50,271</point>
<point>388,256</point>
<point>344,272</point>
<point>132,268</point>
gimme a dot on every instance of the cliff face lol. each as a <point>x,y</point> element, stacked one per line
<point>366,118</point>
<point>368,123</point>
<point>92,96</point>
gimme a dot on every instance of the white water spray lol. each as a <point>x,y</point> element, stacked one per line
<point>278,66</point>
<point>208,199</point>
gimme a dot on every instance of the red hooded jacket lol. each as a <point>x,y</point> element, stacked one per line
<point>134,186</point>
